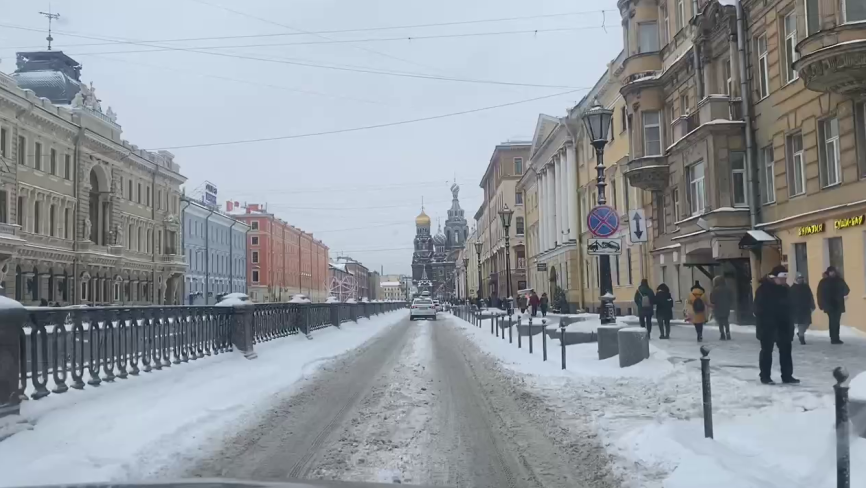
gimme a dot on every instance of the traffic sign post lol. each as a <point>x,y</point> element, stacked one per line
<point>603,247</point>
<point>603,221</point>
<point>637,226</point>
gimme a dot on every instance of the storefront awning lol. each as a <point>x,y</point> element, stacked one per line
<point>756,238</point>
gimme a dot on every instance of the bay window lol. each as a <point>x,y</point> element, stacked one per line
<point>652,140</point>
<point>697,189</point>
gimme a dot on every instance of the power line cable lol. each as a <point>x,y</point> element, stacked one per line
<point>306,64</point>
<point>337,31</point>
<point>368,127</point>
<point>350,41</point>
<point>289,27</point>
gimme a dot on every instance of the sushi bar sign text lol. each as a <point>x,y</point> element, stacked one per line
<point>807,230</point>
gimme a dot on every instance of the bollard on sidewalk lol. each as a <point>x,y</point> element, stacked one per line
<point>12,317</point>
<point>519,341</point>
<point>562,342</point>
<point>530,335</point>
<point>843,446</point>
<point>707,394</point>
<point>510,323</point>
<point>544,339</point>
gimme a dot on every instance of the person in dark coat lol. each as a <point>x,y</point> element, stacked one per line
<point>802,306</point>
<point>832,291</point>
<point>534,302</point>
<point>664,310</point>
<point>775,325</point>
<point>545,302</point>
<point>644,298</point>
<point>722,300</point>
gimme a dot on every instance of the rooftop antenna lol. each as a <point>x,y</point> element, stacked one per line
<point>51,17</point>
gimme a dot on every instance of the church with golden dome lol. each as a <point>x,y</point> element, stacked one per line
<point>435,257</point>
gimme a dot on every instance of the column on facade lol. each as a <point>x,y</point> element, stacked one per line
<point>551,205</point>
<point>541,181</point>
<point>571,185</point>
<point>563,196</point>
<point>557,198</point>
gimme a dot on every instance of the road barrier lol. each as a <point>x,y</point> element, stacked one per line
<point>706,392</point>
<point>74,347</point>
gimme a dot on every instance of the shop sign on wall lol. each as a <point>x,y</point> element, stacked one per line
<point>808,230</point>
<point>849,222</point>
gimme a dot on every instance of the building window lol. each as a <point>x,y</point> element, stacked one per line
<point>254,225</point>
<point>853,10</point>
<point>159,199</point>
<point>520,253</point>
<point>22,150</point>
<point>738,178</point>
<point>697,194</point>
<point>129,237</point>
<point>518,226</point>
<point>813,22</point>
<point>19,215</point>
<point>518,166</point>
<point>52,160</point>
<point>37,217</point>
<point>768,175</point>
<point>628,265</point>
<point>255,257</point>
<point>616,268</point>
<point>625,195</point>
<point>662,220</point>
<point>51,222</point>
<point>652,140</point>
<point>138,193</point>
<point>647,37</point>
<point>254,241</point>
<point>129,195</point>
<point>828,152</point>
<point>518,198</point>
<point>67,166</point>
<point>37,156</point>
<point>148,196</point>
<point>789,24</point>
<point>796,165</point>
<point>763,66</point>
<point>67,222</point>
<point>4,207</point>
<point>834,253</point>
<point>3,143</point>
<point>801,260</point>
<point>681,14</point>
<point>665,28</point>
<point>726,76</point>
<point>255,276</point>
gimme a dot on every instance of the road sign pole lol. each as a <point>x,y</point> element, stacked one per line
<point>607,313</point>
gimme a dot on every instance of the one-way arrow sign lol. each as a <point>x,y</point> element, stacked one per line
<point>637,226</point>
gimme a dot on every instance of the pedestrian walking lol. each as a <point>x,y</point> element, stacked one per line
<point>697,309</point>
<point>644,298</point>
<point>521,304</point>
<point>545,303</point>
<point>775,325</point>
<point>832,291</point>
<point>534,302</point>
<point>664,310</point>
<point>722,300</point>
<point>802,306</point>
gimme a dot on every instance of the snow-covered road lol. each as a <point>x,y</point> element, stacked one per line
<point>419,405</point>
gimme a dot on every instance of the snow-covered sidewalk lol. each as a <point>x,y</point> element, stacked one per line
<point>123,430</point>
<point>650,415</point>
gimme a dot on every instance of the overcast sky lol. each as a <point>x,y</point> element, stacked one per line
<point>357,191</point>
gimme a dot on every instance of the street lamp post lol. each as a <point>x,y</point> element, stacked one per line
<point>478,245</point>
<point>466,278</point>
<point>597,120</point>
<point>505,214</point>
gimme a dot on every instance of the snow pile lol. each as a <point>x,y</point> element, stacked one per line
<point>651,420</point>
<point>131,428</point>
<point>351,300</point>
<point>857,387</point>
<point>332,299</point>
<point>298,298</point>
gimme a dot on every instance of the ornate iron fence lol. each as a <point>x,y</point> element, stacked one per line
<point>62,348</point>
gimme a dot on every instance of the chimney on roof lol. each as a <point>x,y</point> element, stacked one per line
<point>230,206</point>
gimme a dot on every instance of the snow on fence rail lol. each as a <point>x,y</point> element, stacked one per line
<point>62,348</point>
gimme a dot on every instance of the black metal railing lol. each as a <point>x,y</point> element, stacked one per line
<point>62,348</point>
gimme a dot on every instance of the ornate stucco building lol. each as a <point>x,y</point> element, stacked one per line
<point>85,216</point>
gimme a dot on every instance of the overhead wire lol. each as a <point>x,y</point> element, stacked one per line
<point>305,64</point>
<point>369,127</point>
<point>335,31</point>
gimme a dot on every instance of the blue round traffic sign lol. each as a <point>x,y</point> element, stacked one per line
<point>602,221</point>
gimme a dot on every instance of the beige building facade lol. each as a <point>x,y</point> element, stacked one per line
<point>505,169</point>
<point>85,216</point>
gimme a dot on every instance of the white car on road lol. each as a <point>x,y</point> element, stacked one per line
<point>422,308</point>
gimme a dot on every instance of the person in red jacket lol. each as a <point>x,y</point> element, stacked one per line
<point>534,302</point>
